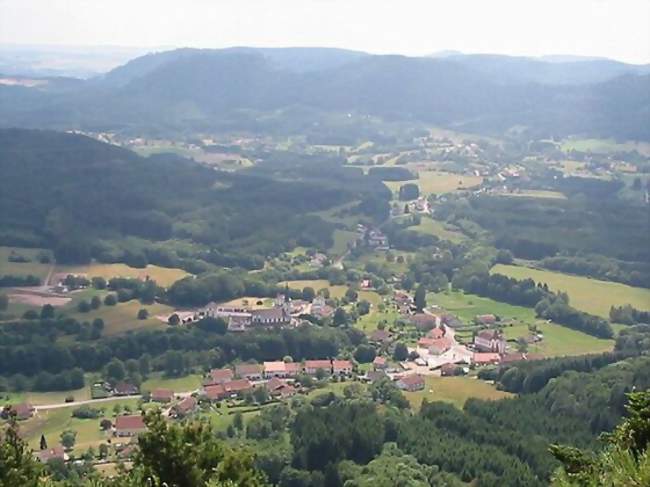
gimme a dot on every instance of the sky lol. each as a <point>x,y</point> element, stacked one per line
<point>618,29</point>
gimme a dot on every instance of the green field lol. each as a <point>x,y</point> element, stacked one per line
<point>40,398</point>
<point>341,240</point>
<point>368,323</point>
<point>536,193</point>
<point>163,276</point>
<point>558,340</point>
<point>337,291</point>
<point>441,230</point>
<point>586,294</point>
<point>34,267</point>
<point>119,318</point>
<point>604,146</point>
<point>455,390</point>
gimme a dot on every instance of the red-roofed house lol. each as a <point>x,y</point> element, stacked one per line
<point>281,369</point>
<point>185,407</point>
<point>215,392</point>
<point>436,333</point>
<point>162,395</point>
<point>125,389</point>
<point>129,425</point>
<point>489,319</point>
<point>277,387</point>
<point>379,363</point>
<point>249,371</point>
<point>341,367</point>
<point>48,454</point>
<point>411,382</point>
<point>423,321</point>
<point>237,386</point>
<point>313,366</point>
<point>219,376</point>
<point>486,358</point>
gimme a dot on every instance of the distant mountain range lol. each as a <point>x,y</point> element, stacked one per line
<point>208,89</point>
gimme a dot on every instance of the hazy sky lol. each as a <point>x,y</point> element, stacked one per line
<point>618,29</point>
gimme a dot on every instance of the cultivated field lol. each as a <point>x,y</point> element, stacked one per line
<point>586,294</point>
<point>455,390</point>
<point>164,276</point>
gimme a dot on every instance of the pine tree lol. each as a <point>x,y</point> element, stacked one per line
<point>43,442</point>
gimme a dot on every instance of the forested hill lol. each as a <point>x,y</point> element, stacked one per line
<point>86,199</point>
<point>216,88</point>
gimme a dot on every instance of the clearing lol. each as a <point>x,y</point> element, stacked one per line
<point>33,267</point>
<point>164,276</point>
<point>336,291</point>
<point>586,294</point>
<point>441,230</point>
<point>455,390</point>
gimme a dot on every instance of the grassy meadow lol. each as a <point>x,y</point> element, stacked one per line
<point>441,230</point>
<point>336,291</point>
<point>163,276</point>
<point>341,240</point>
<point>34,267</point>
<point>454,390</point>
<point>586,294</point>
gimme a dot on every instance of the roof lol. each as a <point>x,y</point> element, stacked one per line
<point>448,366</point>
<point>274,384</point>
<point>125,388</point>
<point>134,422</point>
<point>292,367</point>
<point>379,360</point>
<point>244,369</point>
<point>269,314</point>
<point>436,333</point>
<point>50,454</point>
<point>423,319</point>
<point>186,405</point>
<point>219,375</point>
<point>318,364</point>
<point>513,357</point>
<point>486,318</point>
<point>167,394</point>
<point>216,391</point>
<point>23,409</point>
<point>489,334</point>
<point>486,358</point>
<point>277,366</point>
<point>341,364</point>
<point>380,336</point>
<point>237,385</point>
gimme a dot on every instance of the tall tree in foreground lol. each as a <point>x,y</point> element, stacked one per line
<point>625,461</point>
<point>17,465</point>
<point>420,298</point>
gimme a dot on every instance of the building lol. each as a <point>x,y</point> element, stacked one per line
<point>56,453</point>
<point>486,358</point>
<point>424,321</point>
<point>249,371</point>
<point>449,370</point>
<point>380,336</point>
<point>488,319</point>
<point>281,369</point>
<point>219,376</point>
<point>279,388</point>
<point>129,425</point>
<point>490,341</point>
<point>22,411</point>
<point>379,363</point>
<point>162,395</point>
<point>234,388</point>
<point>341,367</point>
<point>313,366</point>
<point>277,316</point>
<point>185,407</point>
<point>411,382</point>
<point>125,389</point>
<point>436,333</point>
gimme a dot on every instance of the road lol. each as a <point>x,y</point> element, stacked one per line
<point>45,407</point>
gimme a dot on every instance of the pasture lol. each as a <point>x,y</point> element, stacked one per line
<point>33,267</point>
<point>437,182</point>
<point>454,390</point>
<point>604,146</point>
<point>368,323</point>
<point>586,294</point>
<point>342,238</point>
<point>336,291</point>
<point>187,383</point>
<point>558,340</point>
<point>439,229</point>
<point>536,193</point>
<point>164,276</point>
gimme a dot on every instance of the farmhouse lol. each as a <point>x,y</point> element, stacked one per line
<point>341,367</point>
<point>219,376</point>
<point>313,366</point>
<point>435,346</point>
<point>281,369</point>
<point>276,387</point>
<point>423,321</point>
<point>249,371</point>
<point>436,333</point>
<point>129,425</point>
<point>449,370</point>
<point>486,358</point>
<point>162,395</point>
<point>125,389</point>
<point>270,316</point>
<point>490,341</point>
<point>185,407</point>
<point>48,454</point>
<point>379,363</point>
<point>411,382</point>
<point>488,319</point>
<point>22,411</point>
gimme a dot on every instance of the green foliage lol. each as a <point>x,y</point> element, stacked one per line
<point>17,465</point>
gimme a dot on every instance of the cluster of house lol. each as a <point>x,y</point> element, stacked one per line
<point>372,237</point>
